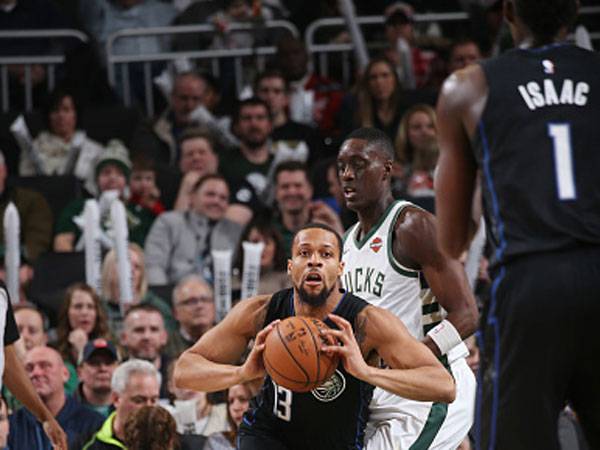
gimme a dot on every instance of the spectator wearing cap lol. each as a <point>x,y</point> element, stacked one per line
<point>112,171</point>
<point>194,309</point>
<point>96,366</point>
<point>35,215</point>
<point>135,383</point>
<point>47,373</point>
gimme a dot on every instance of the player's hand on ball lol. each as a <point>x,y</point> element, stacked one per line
<point>348,349</point>
<point>254,367</point>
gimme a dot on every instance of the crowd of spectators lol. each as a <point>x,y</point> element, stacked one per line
<point>211,170</point>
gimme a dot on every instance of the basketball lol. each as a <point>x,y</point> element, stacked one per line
<point>292,354</point>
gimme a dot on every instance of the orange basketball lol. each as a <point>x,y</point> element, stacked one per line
<point>292,354</point>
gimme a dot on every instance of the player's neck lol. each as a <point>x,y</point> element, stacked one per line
<point>320,312</point>
<point>370,216</point>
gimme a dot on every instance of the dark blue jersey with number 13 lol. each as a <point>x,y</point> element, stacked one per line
<point>331,417</point>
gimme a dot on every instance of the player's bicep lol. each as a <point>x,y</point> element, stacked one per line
<point>455,172</point>
<point>226,342</point>
<point>391,340</point>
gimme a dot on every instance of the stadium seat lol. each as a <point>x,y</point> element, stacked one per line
<point>58,190</point>
<point>53,273</point>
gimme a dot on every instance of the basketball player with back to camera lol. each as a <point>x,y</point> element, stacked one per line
<point>385,255</point>
<point>529,120</point>
<point>335,419</point>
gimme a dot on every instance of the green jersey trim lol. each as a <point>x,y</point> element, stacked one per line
<point>435,419</point>
<point>402,270</point>
<point>360,243</point>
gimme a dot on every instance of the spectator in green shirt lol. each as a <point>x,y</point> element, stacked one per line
<point>112,171</point>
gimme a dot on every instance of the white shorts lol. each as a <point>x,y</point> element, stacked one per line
<point>408,424</point>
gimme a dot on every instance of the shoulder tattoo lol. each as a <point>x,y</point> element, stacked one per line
<point>360,328</point>
<point>260,316</point>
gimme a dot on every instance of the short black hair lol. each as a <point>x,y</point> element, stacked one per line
<point>374,137</point>
<point>209,176</point>
<point>147,307</point>
<point>54,100</point>
<point>252,101</point>
<point>198,132</point>
<point>271,73</point>
<point>325,227</point>
<point>545,18</point>
<point>398,18</point>
<point>291,166</point>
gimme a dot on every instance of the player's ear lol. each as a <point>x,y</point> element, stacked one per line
<point>341,265</point>
<point>289,266</point>
<point>387,168</point>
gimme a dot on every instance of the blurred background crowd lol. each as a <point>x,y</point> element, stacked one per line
<point>215,122</point>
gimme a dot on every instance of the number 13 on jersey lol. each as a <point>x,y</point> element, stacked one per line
<point>560,133</point>
<point>282,402</point>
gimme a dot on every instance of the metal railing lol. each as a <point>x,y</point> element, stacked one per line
<point>321,52</point>
<point>213,55</point>
<point>28,61</point>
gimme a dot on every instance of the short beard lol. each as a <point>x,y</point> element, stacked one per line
<point>254,144</point>
<point>314,300</point>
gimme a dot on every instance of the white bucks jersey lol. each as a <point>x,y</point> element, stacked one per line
<point>372,273</point>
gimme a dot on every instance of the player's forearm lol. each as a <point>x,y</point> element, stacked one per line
<point>197,373</point>
<point>423,384</point>
<point>17,381</point>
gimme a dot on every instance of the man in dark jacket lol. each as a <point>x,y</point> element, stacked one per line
<point>47,373</point>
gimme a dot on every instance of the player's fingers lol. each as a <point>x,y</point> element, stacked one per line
<point>336,334</point>
<point>340,321</point>
<point>331,349</point>
<point>262,334</point>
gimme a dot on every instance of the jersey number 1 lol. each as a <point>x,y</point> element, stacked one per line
<point>282,404</point>
<point>560,133</point>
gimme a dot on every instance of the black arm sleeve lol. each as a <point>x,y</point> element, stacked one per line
<point>11,333</point>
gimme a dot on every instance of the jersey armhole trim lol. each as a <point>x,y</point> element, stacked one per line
<point>402,270</point>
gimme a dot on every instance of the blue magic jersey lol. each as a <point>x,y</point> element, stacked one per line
<point>538,144</point>
<point>331,417</point>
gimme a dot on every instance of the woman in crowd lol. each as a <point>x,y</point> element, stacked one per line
<point>150,428</point>
<point>61,149</point>
<point>141,294</point>
<point>273,275</point>
<point>238,401</point>
<point>80,319</point>
<point>418,150</point>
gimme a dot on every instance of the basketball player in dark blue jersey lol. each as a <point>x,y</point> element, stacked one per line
<point>529,120</point>
<point>332,416</point>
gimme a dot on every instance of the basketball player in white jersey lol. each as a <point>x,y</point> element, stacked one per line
<point>385,254</point>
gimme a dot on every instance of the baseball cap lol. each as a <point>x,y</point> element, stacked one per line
<point>114,153</point>
<point>98,345</point>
